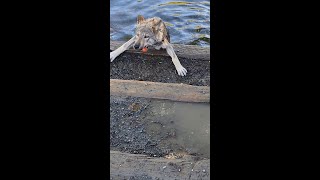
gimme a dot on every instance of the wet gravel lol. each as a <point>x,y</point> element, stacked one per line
<point>134,128</point>
<point>139,126</point>
<point>128,127</point>
<point>134,66</point>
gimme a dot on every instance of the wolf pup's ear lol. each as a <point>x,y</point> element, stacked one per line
<point>140,19</point>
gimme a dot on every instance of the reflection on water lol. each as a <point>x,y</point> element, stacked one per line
<point>188,21</point>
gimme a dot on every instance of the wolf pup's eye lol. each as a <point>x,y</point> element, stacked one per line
<point>146,36</point>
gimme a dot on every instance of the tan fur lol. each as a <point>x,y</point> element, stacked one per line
<point>151,32</point>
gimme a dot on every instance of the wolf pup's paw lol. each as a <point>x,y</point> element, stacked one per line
<point>112,56</point>
<point>181,71</point>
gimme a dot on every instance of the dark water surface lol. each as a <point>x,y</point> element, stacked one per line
<point>188,21</point>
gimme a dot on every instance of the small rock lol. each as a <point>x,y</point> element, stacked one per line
<point>134,107</point>
<point>204,170</point>
<point>164,167</point>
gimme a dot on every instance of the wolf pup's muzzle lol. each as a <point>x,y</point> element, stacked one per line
<point>139,46</point>
<point>136,46</point>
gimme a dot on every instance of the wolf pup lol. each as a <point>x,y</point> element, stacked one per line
<point>151,32</point>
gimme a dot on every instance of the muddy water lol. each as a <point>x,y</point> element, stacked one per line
<point>189,124</point>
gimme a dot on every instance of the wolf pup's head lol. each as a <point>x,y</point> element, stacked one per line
<point>149,32</point>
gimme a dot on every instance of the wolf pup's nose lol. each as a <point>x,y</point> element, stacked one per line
<point>136,46</point>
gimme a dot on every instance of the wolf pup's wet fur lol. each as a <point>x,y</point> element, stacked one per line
<point>151,32</point>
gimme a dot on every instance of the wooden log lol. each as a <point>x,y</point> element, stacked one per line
<point>169,91</point>
<point>137,166</point>
<point>185,51</point>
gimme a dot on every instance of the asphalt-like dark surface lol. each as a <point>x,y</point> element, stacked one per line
<point>127,127</point>
<point>134,66</point>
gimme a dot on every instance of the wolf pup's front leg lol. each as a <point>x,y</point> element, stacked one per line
<point>122,48</point>
<point>180,69</point>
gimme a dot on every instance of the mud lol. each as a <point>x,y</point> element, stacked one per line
<point>134,66</point>
<point>158,139</point>
<point>159,127</point>
<point>163,131</point>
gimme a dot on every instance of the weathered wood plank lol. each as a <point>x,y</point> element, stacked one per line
<point>127,166</point>
<point>185,51</point>
<point>170,91</point>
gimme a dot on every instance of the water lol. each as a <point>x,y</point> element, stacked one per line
<point>188,21</point>
<point>191,124</point>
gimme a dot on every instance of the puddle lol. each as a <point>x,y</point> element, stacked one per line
<point>185,126</point>
<point>158,128</point>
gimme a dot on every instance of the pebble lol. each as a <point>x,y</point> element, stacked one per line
<point>204,170</point>
<point>164,167</point>
<point>191,169</point>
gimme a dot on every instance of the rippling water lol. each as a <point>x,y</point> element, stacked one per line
<point>188,21</point>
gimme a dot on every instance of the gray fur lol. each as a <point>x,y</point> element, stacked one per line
<point>151,32</point>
